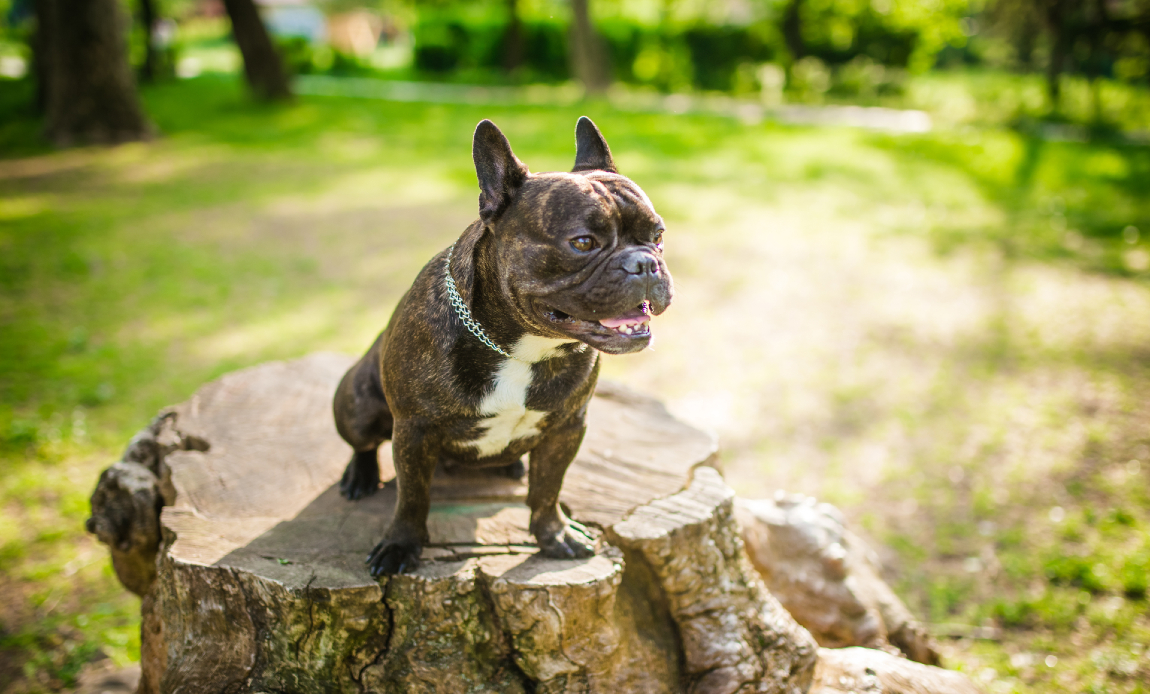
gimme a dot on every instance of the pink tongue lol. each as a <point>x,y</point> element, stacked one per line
<point>619,321</point>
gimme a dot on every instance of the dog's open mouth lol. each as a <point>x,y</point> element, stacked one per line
<point>634,323</point>
<point>630,322</point>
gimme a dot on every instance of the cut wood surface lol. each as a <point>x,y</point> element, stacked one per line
<point>265,497</point>
<point>261,584</point>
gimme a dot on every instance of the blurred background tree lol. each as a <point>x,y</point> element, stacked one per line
<point>84,81</point>
<point>262,65</point>
<point>1097,39</point>
<point>513,38</point>
<point>590,59</point>
<point>150,24</point>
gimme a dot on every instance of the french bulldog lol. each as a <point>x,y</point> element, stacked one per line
<point>494,351</point>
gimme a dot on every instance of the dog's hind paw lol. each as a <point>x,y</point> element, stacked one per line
<point>514,471</point>
<point>573,542</point>
<point>361,477</point>
<point>390,557</point>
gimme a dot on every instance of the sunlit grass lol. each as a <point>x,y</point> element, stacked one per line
<point>945,334</point>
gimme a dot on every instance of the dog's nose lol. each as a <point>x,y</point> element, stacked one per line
<point>641,264</point>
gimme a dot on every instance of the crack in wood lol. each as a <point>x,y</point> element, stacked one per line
<point>310,615</point>
<point>389,629</point>
<point>483,582</point>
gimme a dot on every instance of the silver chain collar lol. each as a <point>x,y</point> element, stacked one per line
<point>461,309</point>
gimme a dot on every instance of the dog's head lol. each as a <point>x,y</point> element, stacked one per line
<point>580,253</point>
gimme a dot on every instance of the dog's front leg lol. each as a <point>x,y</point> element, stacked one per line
<point>415,453</point>
<point>558,536</point>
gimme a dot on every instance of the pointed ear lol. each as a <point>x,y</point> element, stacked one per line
<point>591,150</point>
<point>500,172</point>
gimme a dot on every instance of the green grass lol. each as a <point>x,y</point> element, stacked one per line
<point>945,334</point>
<point>979,96</point>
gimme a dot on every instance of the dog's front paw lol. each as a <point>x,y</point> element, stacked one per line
<point>360,478</point>
<point>572,541</point>
<point>391,557</point>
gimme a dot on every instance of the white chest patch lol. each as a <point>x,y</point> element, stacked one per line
<point>506,417</point>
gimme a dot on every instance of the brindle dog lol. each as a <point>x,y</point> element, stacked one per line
<point>494,351</point>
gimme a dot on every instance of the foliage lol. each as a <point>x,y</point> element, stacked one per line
<point>1096,38</point>
<point>447,42</point>
<point>681,46</point>
<point>902,34</point>
<point>935,25</point>
<point>297,54</point>
<point>692,51</point>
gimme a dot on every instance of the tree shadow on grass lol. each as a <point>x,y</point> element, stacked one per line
<point>1072,202</point>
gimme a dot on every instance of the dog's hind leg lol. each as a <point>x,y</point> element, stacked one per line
<point>364,420</point>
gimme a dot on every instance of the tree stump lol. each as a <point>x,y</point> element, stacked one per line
<point>261,585</point>
<point>827,578</point>
<point>868,671</point>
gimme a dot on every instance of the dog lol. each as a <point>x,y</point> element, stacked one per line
<point>494,351</point>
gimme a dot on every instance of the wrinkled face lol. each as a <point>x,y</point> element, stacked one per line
<point>588,253</point>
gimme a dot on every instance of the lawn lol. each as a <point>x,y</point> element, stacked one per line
<point>945,334</point>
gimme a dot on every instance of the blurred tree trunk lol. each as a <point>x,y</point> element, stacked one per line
<point>262,65</point>
<point>87,90</point>
<point>1022,23</point>
<point>148,19</point>
<point>793,29</point>
<point>1025,41</point>
<point>588,50</point>
<point>513,39</point>
<point>40,57</point>
<point>1097,26</point>
<point>1054,70</point>
<point>1056,15</point>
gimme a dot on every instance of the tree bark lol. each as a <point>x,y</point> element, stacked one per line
<point>89,95</point>
<point>130,493</point>
<point>262,65</point>
<point>589,59</point>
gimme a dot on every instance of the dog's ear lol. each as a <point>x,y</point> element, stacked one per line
<point>500,172</point>
<point>591,150</point>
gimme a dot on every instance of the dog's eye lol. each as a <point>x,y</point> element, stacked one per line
<point>659,238</point>
<point>583,243</point>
